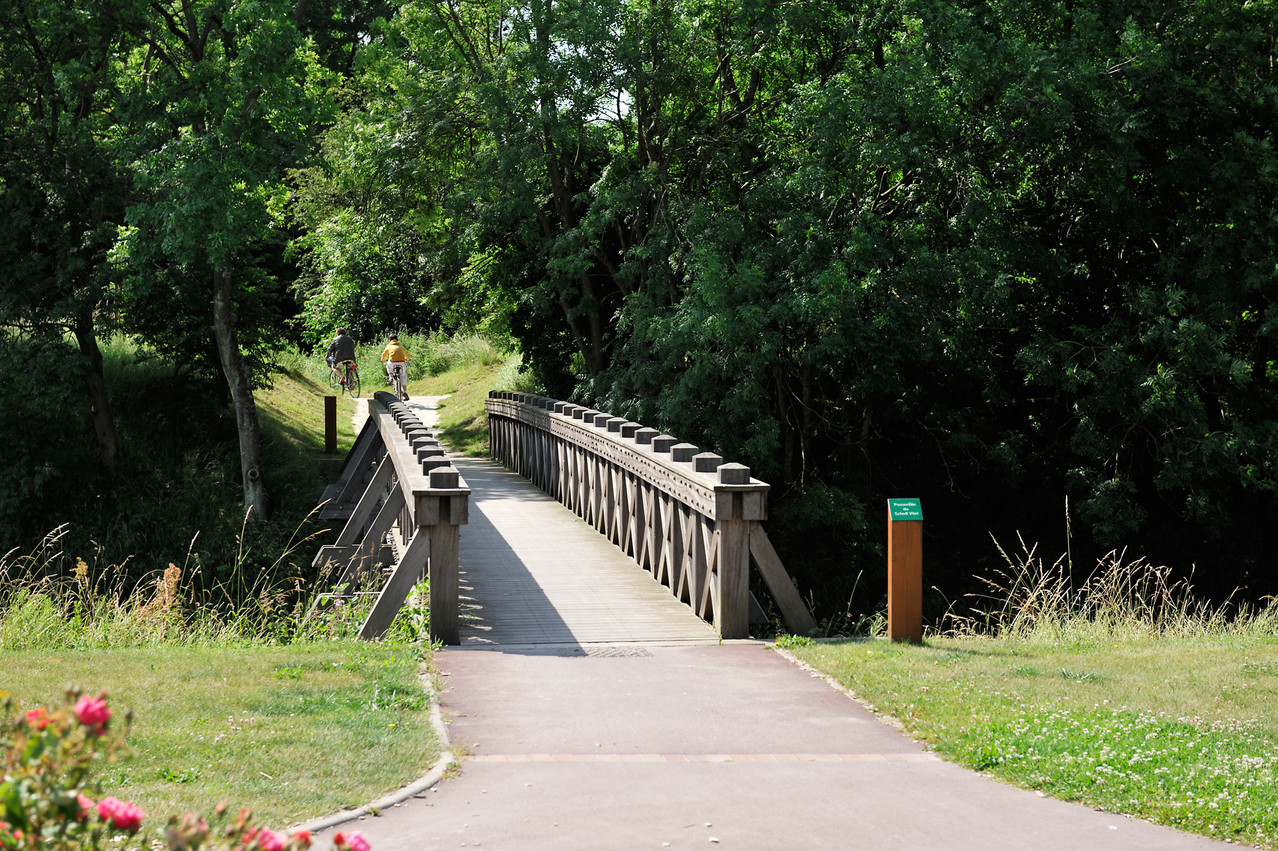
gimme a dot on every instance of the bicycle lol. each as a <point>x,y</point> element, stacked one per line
<point>398,376</point>
<point>344,376</point>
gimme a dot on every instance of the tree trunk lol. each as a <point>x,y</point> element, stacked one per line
<point>99,406</point>
<point>237,379</point>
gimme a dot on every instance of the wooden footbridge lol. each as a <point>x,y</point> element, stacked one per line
<point>586,528</point>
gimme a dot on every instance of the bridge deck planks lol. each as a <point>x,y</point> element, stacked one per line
<point>532,573</point>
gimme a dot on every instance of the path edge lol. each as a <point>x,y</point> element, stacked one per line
<point>881,717</point>
<point>447,759</point>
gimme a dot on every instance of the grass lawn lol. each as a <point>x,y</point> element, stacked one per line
<point>1180,731</point>
<point>292,732</point>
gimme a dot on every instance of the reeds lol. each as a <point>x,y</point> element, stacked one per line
<point>51,600</point>
<point>1121,596</point>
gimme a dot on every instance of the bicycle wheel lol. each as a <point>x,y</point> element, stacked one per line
<point>332,378</point>
<point>401,385</point>
<point>352,382</point>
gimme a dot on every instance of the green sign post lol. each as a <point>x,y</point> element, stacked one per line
<point>905,570</point>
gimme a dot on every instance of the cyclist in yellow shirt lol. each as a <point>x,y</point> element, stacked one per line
<point>395,357</point>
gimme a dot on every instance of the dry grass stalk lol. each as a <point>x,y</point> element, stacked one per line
<point>1121,596</point>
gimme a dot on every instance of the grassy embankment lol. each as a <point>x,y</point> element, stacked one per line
<point>1125,696</point>
<point>252,707</point>
<point>462,369</point>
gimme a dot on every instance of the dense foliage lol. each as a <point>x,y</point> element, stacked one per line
<point>1017,259</point>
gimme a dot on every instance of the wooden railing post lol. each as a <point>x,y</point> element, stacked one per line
<point>442,510</point>
<point>732,573</point>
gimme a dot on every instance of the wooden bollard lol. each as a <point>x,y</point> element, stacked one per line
<point>905,570</point>
<point>330,424</point>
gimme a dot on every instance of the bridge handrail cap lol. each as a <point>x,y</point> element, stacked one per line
<point>734,474</point>
<point>663,443</point>
<point>645,435</point>
<point>683,451</point>
<point>444,477</point>
<point>707,462</point>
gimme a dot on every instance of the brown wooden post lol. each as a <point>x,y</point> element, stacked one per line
<point>449,511</point>
<point>732,527</point>
<point>445,616</point>
<point>732,616</point>
<point>905,570</point>
<point>330,424</point>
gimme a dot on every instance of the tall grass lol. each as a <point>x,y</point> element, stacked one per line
<point>437,353</point>
<point>50,600</point>
<point>429,355</point>
<point>1122,597</point>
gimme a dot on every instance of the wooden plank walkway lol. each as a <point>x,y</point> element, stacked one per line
<point>532,573</point>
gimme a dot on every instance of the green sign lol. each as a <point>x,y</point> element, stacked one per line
<point>905,509</point>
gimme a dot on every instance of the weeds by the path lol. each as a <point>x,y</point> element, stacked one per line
<point>235,694</point>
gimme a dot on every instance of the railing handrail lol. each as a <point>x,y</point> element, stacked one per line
<point>686,516</point>
<point>406,483</point>
<point>700,479</point>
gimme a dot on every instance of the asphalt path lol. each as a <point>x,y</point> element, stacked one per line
<point>730,745</point>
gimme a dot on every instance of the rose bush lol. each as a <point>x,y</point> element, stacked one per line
<point>47,793</point>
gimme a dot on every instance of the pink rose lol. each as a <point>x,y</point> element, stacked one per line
<point>121,814</point>
<point>86,806</point>
<point>92,712</point>
<point>302,839</point>
<point>353,841</point>
<point>269,840</point>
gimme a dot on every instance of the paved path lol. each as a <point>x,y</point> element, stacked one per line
<point>533,573</point>
<point>700,746</point>
<point>589,724</point>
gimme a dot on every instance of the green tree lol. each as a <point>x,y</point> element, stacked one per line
<point>63,191</point>
<point>224,99</point>
<point>987,253</point>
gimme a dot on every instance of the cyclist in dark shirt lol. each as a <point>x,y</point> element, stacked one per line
<point>340,350</point>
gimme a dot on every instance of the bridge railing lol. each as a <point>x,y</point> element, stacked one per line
<point>404,524</point>
<point>690,519</point>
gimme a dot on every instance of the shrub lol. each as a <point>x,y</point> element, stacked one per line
<point>49,799</point>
